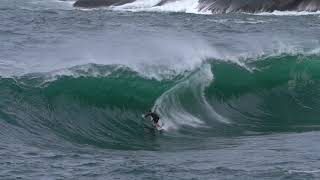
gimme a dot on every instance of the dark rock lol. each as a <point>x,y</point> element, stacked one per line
<point>224,6</point>
<point>252,6</point>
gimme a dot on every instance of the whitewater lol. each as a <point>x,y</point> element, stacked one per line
<point>238,91</point>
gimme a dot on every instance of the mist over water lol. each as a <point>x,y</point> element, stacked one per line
<point>238,93</point>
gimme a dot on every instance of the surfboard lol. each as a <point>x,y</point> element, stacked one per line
<point>160,127</point>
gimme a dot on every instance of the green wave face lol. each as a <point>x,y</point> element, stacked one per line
<point>102,111</point>
<point>276,94</point>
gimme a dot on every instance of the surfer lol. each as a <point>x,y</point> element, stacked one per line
<point>155,117</point>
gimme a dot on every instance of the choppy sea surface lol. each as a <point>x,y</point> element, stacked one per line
<point>238,93</point>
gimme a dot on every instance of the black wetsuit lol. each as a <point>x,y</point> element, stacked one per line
<point>155,116</point>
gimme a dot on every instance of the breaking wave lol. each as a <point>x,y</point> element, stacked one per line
<point>102,105</point>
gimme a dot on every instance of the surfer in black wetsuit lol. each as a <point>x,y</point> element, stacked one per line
<point>155,117</point>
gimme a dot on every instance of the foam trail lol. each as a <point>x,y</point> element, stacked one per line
<point>287,13</point>
<point>172,109</point>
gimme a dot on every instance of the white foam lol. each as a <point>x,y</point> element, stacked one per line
<point>186,6</point>
<point>287,13</point>
<point>170,104</point>
<point>137,5</point>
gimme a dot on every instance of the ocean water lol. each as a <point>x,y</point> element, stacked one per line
<point>238,93</point>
